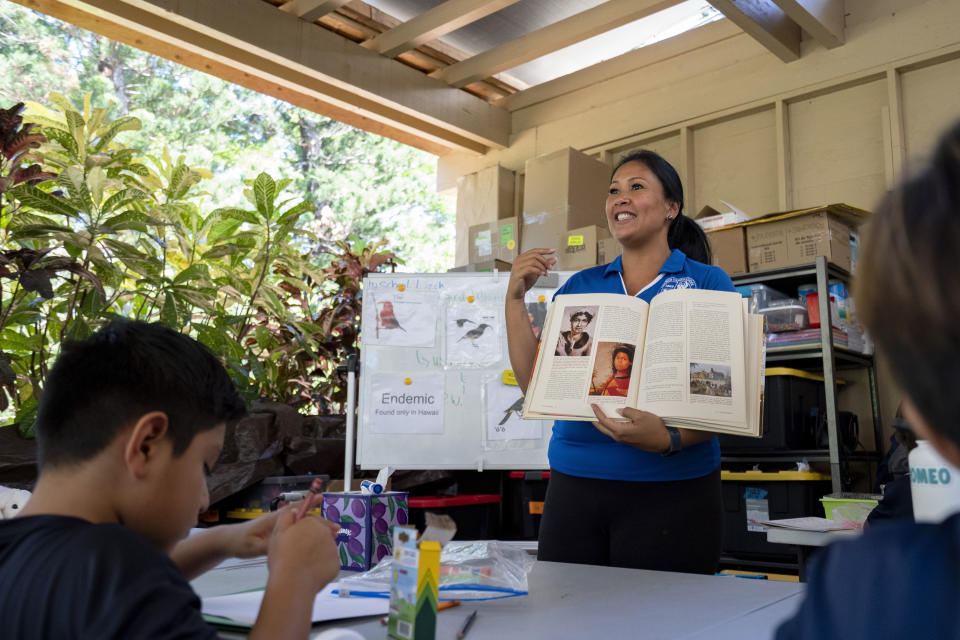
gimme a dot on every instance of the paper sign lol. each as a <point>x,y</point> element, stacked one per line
<point>403,319</point>
<point>506,235</point>
<point>483,243</point>
<point>509,378</point>
<point>473,335</point>
<point>504,404</point>
<point>575,241</point>
<point>406,408</point>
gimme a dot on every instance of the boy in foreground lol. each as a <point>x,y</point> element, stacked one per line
<point>131,421</point>
<point>902,579</point>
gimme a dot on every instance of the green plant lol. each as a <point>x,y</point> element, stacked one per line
<point>118,234</point>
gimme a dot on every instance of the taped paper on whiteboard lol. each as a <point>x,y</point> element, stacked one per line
<point>403,319</point>
<point>504,404</point>
<point>414,408</point>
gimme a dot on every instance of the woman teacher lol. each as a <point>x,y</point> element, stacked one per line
<point>629,494</point>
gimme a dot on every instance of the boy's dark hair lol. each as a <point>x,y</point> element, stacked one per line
<point>908,290</point>
<point>102,384</point>
<point>684,234</point>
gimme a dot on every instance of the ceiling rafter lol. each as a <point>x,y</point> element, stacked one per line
<point>586,24</point>
<point>433,24</point>
<point>822,19</point>
<point>310,10</point>
<point>766,23</point>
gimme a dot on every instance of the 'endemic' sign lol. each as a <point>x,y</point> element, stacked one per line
<point>398,407</point>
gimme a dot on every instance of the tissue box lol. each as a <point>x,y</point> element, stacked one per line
<point>366,525</point>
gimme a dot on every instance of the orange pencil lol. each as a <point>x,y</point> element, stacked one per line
<point>306,505</point>
<point>448,604</point>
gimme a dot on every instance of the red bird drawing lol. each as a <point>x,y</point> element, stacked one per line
<point>386,319</point>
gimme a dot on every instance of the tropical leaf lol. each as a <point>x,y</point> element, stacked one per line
<point>33,197</point>
<point>264,193</point>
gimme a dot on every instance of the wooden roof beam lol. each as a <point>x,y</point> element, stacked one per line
<point>766,23</point>
<point>822,19</point>
<point>310,10</point>
<point>586,24</point>
<point>433,24</point>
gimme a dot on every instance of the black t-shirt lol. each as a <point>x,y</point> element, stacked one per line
<point>66,578</point>
<point>899,580</point>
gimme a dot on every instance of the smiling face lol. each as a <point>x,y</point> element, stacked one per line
<point>636,207</point>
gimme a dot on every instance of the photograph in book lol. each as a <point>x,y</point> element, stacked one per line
<point>612,369</point>
<point>691,356</point>
<point>577,339</point>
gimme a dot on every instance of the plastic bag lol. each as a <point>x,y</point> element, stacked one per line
<point>469,570</point>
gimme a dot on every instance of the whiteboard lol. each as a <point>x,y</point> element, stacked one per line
<point>431,391</point>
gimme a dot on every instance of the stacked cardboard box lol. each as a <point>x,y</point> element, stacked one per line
<point>483,197</point>
<point>563,206</point>
<point>497,240</point>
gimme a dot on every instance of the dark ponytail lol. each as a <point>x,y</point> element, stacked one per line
<point>684,234</point>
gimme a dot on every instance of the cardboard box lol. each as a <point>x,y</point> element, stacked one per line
<point>729,247</point>
<point>498,240</point>
<point>482,267</point>
<point>798,237</point>
<point>562,190</point>
<point>608,249</point>
<point>709,218</point>
<point>580,248</point>
<point>366,524</point>
<point>484,196</point>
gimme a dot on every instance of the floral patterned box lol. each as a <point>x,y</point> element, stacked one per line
<point>366,525</point>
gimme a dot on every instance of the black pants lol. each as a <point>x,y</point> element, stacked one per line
<point>666,526</point>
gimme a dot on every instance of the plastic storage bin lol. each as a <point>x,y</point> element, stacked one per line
<point>785,315</point>
<point>761,296</point>
<point>749,496</point>
<point>523,498</point>
<point>792,403</point>
<point>849,507</point>
<point>477,516</point>
<point>254,501</point>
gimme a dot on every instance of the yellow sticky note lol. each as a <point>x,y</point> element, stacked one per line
<point>509,378</point>
<point>574,241</point>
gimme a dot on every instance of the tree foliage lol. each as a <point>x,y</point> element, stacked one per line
<point>360,183</point>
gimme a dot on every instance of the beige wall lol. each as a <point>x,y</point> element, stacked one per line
<point>838,125</point>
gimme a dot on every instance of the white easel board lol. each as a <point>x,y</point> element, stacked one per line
<point>431,391</point>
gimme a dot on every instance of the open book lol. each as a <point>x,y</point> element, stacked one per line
<point>693,357</point>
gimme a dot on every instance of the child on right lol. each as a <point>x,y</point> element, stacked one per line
<point>902,579</point>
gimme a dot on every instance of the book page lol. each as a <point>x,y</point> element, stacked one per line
<point>590,352</point>
<point>693,364</point>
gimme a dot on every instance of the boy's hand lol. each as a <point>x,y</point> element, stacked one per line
<point>250,539</point>
<point>304,548</point>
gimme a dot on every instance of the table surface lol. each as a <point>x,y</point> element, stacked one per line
<point>581,601</point>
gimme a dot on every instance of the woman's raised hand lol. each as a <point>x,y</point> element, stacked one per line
<point>527,267</point>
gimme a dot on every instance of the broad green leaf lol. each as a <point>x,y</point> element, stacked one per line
<point>95,180</point>
<point>106,135</point>
<point>168,311</point>
<point>292,214</point>
<point>193,272</point>
<point>265,192</point>
<point>123,198</point>
<point>221,250</point>
<point>35,198</point>
<point>238,214</point>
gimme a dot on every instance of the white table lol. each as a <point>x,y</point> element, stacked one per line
<point>807,541</point>
<point>581,601</point>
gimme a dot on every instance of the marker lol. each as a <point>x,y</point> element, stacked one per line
<point>466,625</point>
<point>449,604</point>
<point>308,500</point>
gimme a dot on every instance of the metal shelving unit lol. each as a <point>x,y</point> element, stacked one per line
<point>827,358</point>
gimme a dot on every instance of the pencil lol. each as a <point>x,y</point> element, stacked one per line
<point>308,499</point>
<point>448,604</point>
<point>466,625</point>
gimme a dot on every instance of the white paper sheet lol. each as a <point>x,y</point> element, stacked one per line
<point>244,607</point>
<point>473,335</point>
<point>403,319</point>
<point>399,407</point>
<point>504,404</point>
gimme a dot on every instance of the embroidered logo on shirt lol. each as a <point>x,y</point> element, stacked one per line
<point>673,282</point>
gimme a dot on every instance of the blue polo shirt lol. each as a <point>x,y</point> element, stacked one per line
<point>578,448</point>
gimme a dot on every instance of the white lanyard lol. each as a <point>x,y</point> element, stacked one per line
<point>650,284</point>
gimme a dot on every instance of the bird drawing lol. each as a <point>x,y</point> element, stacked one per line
<point>474,334</point>
<point>514,408</point>
<point>461,321</point>
<point>387,319</point>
